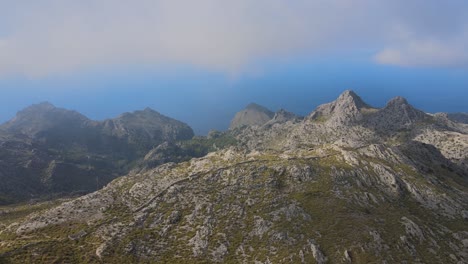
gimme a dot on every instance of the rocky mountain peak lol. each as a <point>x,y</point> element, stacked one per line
<point>397,101</point>
<point>44,108</point>
<point>344,110</point>
<point>148,124</point>
<point>252,115</point>
<point>35,109</point>
<point>399,104</point>
<point>350,97</point>
<point>43,117</point>
<point>397,114</point>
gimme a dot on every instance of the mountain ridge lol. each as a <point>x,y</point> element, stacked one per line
<point>62,151</point>
<point>336,187</point>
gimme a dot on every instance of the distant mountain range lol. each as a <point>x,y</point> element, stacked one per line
<point>50,150</point>
<point>348,183</point>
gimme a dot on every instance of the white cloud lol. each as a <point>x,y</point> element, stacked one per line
<point>39,38</point>
<point>427,53</point>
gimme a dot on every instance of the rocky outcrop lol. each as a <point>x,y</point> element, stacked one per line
<point>345,110</point>
<point>397,115</point>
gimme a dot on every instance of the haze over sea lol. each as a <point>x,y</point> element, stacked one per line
<point>200,63</point>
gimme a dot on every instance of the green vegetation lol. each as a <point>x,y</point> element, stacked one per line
<point>200,146</point>
<point>187,149</point>
<point>320,119</point>
<point>15,212</point>
<point>295,200</point>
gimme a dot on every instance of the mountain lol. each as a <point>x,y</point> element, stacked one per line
<point>339,186</point>
<point>48,124</point>
<point>252,115</point>
<point>397,115</point>
<point>346,109</point>
<point>42,117</point>
<point>48,150</point>
<point>147,125</point>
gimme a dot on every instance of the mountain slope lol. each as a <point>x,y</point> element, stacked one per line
<point>48,150</point>
<point>459,117</point>
<point>397,115</point>
<point>318,190</point>
<point>45,117</point>
<point>332,204</point>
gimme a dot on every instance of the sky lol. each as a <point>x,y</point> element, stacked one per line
<point>202,61</point>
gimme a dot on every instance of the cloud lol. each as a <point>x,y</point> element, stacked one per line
<point>46,37</point>
<point>428,53</point>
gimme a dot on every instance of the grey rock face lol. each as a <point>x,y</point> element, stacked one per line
<point>345,110</point>
<point>398,114</point>
<point>252,115</point>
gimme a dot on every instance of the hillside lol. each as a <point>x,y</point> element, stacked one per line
<point>47,150</point>
<point>349,183</point>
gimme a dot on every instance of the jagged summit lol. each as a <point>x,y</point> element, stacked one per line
<point>399,106</point>
<point>350,97</point>
<point>344,110</point>
<point>252,115</point>
<point>398,100</point>
<point>396,115</point>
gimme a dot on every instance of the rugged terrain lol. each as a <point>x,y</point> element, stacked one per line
<point>349,183</point>
<point>46,150</point>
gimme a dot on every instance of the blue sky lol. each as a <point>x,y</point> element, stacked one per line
<point>201,61</point>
